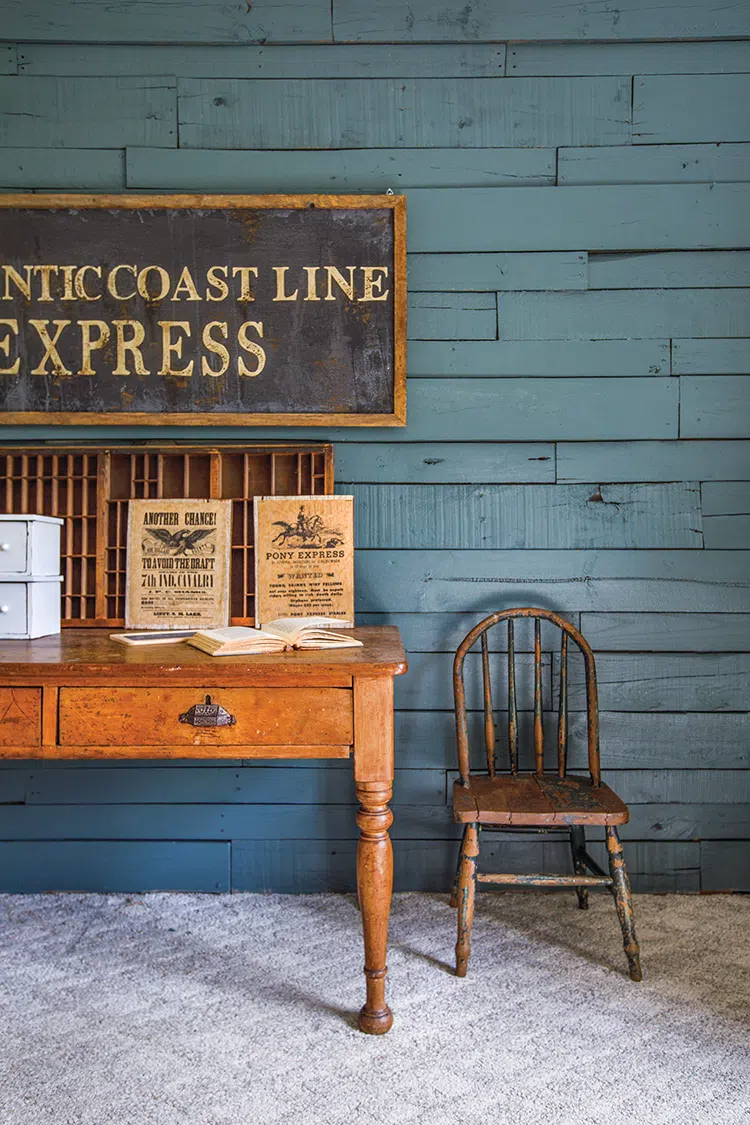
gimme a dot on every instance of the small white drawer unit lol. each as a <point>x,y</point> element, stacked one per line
<point>29,576</point>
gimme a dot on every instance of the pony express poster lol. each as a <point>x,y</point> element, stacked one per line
<point>178,564</point>
<point>304,557</point>
<point>196,309</point>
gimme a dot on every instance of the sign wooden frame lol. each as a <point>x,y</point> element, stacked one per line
<point>394,203</point>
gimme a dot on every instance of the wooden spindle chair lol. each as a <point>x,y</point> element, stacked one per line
<point>539,801</point>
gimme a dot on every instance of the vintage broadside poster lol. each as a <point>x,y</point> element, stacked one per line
<point>304,557</point>
<point>178,564</point>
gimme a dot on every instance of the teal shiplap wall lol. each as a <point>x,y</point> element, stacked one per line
<point>579,369</point>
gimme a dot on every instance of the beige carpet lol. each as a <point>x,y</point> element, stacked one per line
<point>239,1011</point>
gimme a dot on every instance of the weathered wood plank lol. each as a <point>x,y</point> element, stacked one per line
<point>8,58</point>
<point>711,357</point>
<point>725,865</point>
<point>217,823</point>
<point>655,164</point>
<point>614,313</point>
<point>629,740</point>
<point>681,787</point>
<point>256,784</point>
<point>694,108</point>
<point>562,358</point>
<point>713,406</point>
<point>522,517</point>
<point>640,217</point>
<point>428,272</point>
<point>620,581</point>
<point>423,21</point>
<point>726,498</point>
<point>727,533</point>
<point>465,60</point>
<point>667,632</point>
<point>154,21</point>
<point>653,460</point>
<point>12,786</point>
<point>54,113</point>
<point>415,112</point>
<point>349,169</point>
<point>679,270</point>
<point>452,316</point>
<point>113,866</point>
<point>443,632</point>
<point>447,462</point>
<point>84,169</point>
<point>429,684</point>
<point>525,59</point>
<point>666,682</point>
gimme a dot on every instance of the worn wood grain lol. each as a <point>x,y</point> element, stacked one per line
<point>653,460</point>
<point>54,113</point>
<point>452,316</point>
<point>676,270</point>
<point>346,169</point>
<point>429,684</point>
<point>114,866</point>
<point>628,58</point>
<point>603,358</point>
<point>8,58</point>
<point>84,168</point>
<point>640,217</point>
<point>694,108</point>
<point>411,581</point>
<point>523,517</point>
<point>711,357</point>
<point>614,313</point>
<point>655,164</point>
<point>447,462</point>
<point>20,716</point>
<point>667,632</point>
<point>666,682</point>
<point>422,21</point>
<point>153,21</point>
<point>394,60</point>
<point>473,272</point>
<point>713,406</point>
<point>422,113</point>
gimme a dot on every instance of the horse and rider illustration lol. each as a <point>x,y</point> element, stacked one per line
<point>309,532</point>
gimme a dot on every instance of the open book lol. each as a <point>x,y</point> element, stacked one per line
<point>277,636</point>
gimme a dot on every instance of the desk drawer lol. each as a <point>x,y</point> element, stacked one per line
<point>151,717</point>
<point>20,716</point>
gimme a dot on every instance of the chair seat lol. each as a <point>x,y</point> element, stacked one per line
<point>528,799</point>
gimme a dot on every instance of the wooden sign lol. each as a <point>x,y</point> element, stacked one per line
<point>195,309</point>
<point>304,557</point>
<point>178,564</point>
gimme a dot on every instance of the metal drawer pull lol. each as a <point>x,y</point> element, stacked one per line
<point>208,714</point>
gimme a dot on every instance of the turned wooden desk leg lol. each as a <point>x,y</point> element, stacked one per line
<point>373,775</point>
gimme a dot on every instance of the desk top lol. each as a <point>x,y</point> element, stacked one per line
<point>84,653</point>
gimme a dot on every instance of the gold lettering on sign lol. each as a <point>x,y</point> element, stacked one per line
<point>221,287</point>
<point>133,346</point>
<point>45,273</point>
<point>372,284</point>
<point>172,347</point>
<point>112,282</point>
<point>251,347</point>
<point>244,272</point>
<point>50,352</point>
<point>186,283</point>
<point>67,293</point>
<point>5,348</point>
<point>143,283</point>
<point>89,343</point>
<point>281,293</point>
<point>312,283</point>
<point>346,287</point>
<point>23,286</point>
<point>80,283</point>
<point>214,346</point>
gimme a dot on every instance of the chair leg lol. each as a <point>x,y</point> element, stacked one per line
<point>577,848</point>
<point>454,889</point>
<point>467,885</point>
<point>621,891</point>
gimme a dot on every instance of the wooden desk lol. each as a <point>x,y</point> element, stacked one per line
<point>79,695</point>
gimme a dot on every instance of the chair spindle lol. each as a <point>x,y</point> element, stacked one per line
<point>562,714</point>
<point>512,706</point>
<point>538,725</point>
<point>489,717</point>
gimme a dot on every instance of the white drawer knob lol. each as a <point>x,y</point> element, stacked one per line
<point>4,608</point>
<point>4,546</point>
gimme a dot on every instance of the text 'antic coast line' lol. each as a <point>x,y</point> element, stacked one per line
<point>87,345</point>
